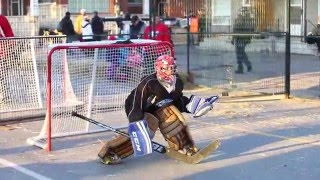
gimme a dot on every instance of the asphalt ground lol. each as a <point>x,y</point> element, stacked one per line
<point>262,138</point>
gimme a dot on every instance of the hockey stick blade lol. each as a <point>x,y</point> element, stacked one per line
<point>155,146</point>
<point>196,158</point>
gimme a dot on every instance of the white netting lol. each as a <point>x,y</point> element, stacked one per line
<point>22,68</point>
<point>19,88</point>
<point>93,79</point>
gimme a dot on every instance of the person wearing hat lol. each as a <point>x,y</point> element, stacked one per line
<point>136,28</point>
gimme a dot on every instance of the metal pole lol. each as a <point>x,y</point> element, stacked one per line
<point>150,17</point>
<point>188,39</point>
<point>287,52</point>
<point>304,19</point>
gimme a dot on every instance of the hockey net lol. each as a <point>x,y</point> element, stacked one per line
<point>93,79</point>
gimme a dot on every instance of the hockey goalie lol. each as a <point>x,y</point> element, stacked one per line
<point>159,101</point>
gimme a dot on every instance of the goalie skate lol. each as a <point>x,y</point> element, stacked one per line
<point>196,158</point>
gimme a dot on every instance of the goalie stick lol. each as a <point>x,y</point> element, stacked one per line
<point>194,159</point>
<point>197,157</point>
<point>155,146</point>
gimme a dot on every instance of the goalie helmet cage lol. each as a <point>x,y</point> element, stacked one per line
<point>93,79</point>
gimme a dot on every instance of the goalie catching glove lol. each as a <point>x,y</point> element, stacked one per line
<point>200,106</point>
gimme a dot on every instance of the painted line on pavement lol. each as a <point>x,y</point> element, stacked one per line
<point>22,169</point>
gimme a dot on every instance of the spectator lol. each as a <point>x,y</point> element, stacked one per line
<point>87,34</point>
<point>160,33</point>
<point>78,23</point>
<point>125,27</point>
<point>136,28</point>
<point>316,36</point>
<point>97,27</point>
<point>5,27</point>
<point>127,17</point>
<point>5,31</point>
<point>202,24</point>
<point>67,27</point>
<point>243,24</point>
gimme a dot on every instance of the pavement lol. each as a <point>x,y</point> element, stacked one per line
<point>263,137</point>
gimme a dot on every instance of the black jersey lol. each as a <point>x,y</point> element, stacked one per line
<point>148,93</point>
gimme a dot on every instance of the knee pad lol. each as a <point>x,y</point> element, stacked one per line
<point>153,123</point>
<point>173,127</point>
<point>119,145</point>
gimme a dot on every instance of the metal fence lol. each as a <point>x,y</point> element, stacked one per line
<point>213,63</point>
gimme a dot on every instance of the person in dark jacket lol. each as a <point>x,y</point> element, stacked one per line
<point>136,28</point>
<point>97,27</point>
<point>67,27</point>
<point>244,24</point>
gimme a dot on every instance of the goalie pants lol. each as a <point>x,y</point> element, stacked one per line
<point>171,124</point>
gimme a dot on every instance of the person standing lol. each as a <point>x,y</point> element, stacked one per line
<point>5,31</point>
<point>161,32</point>
<point>202,24</point>
<point>67,27</point>
<point>78,23</point>
<point>87,34</point>
<point>136,28</point>
<point>5,27</point>
<point>243,24</point>
<point>97,26</point>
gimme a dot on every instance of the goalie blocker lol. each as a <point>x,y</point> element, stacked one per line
<point>200,106</point>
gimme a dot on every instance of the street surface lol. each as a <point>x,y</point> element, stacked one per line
<point>262,138</point>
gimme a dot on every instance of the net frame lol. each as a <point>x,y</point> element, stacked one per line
<point>44,139</point>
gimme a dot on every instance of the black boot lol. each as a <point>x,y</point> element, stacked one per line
<point>249,68</point>
<point>239,70</point>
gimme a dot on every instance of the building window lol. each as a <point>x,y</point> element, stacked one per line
<point>135,1</point>
<point>246,3</point>
<point>102,6</point>
<point>16,8</point>
<point>46,1</point>
<point>221,12</point>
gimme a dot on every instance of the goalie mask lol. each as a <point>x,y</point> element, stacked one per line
<point>166,68</point>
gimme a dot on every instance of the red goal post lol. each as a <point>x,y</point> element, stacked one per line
<point>93,79</point>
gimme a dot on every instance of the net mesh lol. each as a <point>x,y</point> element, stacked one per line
<point>19,88</point>
<point>94,79</point>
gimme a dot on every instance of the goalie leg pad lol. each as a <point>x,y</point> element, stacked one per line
<point>174,128</point>
<point>119,146</point>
